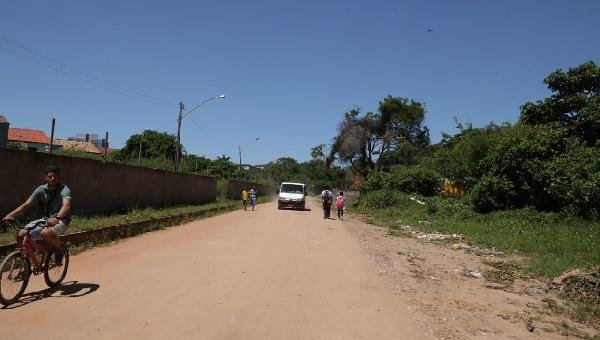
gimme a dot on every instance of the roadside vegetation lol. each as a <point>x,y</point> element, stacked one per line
<point>551,243</point>
<point>529,188</point>
<point>83,223</point>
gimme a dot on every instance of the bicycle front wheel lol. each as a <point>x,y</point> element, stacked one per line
<point>55,267</point>
<point>14,276</point>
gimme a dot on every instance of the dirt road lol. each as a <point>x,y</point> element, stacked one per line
<point>263,274</point>
<point>271,274</point>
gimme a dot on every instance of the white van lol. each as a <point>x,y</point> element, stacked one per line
<point>292,195</point>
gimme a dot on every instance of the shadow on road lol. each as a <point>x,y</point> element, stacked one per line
<point>69,289</point>
<point>305,209</point>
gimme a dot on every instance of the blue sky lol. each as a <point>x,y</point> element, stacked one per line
<point>289,69</point>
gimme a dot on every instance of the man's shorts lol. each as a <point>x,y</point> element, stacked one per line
<point>253,201</point>
<point>38,225</point>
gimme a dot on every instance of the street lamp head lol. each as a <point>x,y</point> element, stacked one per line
<point>221,96</point>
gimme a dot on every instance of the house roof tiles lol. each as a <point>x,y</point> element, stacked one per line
<point>27,136</point>
<point>78,145</point>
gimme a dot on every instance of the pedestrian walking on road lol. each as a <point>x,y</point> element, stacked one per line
<point>253,195</point>
<point>245,198</point>
<point>339,203</point>
<point>327,201</point>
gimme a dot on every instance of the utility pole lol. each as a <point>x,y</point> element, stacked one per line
<point>181,107</point>
<point>240,167</point>
<point>52,135</point>
<point>106,146</point>
<point>140,153</point>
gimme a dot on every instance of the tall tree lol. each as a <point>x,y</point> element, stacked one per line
<point>574,104</point>
<point>223,167</point>
<point>318,152</point>
<point>370,141</point>
<point>152,144</point>
<point>284,169</point>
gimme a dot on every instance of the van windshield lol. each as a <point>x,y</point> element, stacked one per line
<point>292,188</point>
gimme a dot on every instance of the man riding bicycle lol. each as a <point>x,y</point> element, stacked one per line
<point>54,198</point>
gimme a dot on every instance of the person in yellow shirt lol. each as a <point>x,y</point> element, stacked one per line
<point>245,198</point>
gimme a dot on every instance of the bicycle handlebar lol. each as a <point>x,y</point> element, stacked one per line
<point>11,221</point>
<point>17,222</point>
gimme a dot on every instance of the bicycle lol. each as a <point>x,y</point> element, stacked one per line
<point>16,268</point>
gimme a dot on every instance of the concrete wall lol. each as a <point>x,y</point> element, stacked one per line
<point>235,187</point>
<point>99,187</point>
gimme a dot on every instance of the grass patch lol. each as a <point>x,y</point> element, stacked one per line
<point>551,242</point>
<point>83,223</point>
<point>586,312</point>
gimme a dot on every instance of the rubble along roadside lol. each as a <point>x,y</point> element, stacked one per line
<point>579,288</point>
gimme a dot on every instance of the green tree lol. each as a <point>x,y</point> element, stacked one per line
<point>318,152</point>
<point>574,104</point>
<point>195,164</point>
<point>394,135</point>
<point>458,157</point>
<point>402,119</point>
<point>515,167</point>
<point>154,145</point>
<point>320,176</point>
<point>223,167</point>
<point>284,169</point>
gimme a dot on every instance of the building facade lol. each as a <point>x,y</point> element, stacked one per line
<point>35,140</point>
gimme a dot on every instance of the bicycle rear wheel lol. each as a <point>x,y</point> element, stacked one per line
<point>14,276</point>
<point>55,269</point>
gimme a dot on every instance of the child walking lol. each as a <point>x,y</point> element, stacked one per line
<point>339,202</point>
<point>245,198</point>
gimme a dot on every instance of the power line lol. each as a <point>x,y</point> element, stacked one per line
<point>95,80</point>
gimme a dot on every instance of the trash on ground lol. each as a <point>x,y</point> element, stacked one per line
<point>416,200</point>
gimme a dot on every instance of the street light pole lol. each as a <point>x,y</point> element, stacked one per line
<point>179,118</point>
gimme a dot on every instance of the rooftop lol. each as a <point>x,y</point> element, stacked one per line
<point>78,145</point>
<point>27,136</point>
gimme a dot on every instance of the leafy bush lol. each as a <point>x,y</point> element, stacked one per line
<point>17,146</point>
<point>492,193</point>
<point>458,157</point>
<point>375,181</point>
<point>382,199</point>
<point>574,180</point>
<point>408,180</point>
<point>448,206</point>
<point>414,180</point>
<point>514,169</point>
